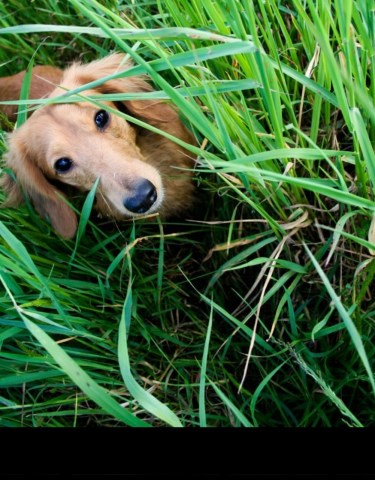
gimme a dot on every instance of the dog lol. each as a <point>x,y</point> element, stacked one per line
<point>63,145</point>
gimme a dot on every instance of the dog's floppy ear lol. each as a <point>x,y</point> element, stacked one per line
<point>43,80</point>
<point>46,198</point>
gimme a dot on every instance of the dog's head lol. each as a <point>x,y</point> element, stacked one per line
<point>76,143</point>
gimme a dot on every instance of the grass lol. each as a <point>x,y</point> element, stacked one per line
<point>258,309</point>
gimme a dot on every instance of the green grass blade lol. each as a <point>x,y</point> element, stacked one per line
<point>19,380</point>
<point>217,87</point>
<point>148,401</point>
<point>202,380</point>
<point>259,390</point>
<point>281,153</point>
<point>86,211</point>
<point>367,147</point>
<point>24,94</point>
<point>231,406</point>
<point>84,217</point>
<point>198,55</point>
<point>120,33</point>
<point>350,326</point>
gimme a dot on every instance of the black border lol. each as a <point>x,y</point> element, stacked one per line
<point>189,452</point>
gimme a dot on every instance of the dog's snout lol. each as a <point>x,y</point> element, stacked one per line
<point>144,196</point>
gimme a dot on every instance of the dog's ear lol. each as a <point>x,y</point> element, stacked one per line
<point>46,198</point>
<point>43,80</point>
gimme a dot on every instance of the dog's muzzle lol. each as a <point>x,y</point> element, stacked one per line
<point>143,198</point>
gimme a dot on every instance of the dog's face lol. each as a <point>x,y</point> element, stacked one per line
<point>77,143</point>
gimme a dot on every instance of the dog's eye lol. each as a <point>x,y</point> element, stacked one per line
<point>101,119</point>
<point>62,165</point>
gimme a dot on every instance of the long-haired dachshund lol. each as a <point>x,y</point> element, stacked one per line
<point>73,144</point>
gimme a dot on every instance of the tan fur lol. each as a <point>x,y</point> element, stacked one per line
<point>120,155</point>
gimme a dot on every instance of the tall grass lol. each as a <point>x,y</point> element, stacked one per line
<point>255,311</point>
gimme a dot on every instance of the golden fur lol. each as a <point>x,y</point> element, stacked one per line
<point>128,160</point>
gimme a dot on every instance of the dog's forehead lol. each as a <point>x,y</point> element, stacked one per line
<point>67,87</point>
<point>71,111</point>
<point>58,123</point>
<point>64,114</point>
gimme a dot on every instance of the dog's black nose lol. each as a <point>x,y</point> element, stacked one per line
<point>144,196</point>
